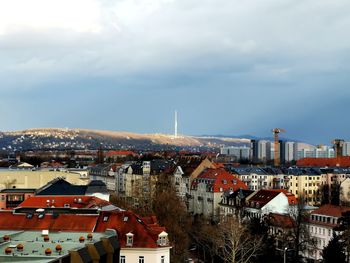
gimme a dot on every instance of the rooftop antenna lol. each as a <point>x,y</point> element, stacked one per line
<point>175,135</point>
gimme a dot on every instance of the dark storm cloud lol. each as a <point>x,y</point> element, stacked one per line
<point>230,67</point>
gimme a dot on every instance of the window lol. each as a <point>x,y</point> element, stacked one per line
<point>163,238</point>
<point>141,259</point>
<point>122,259</point>
<point>129,239</point>
<point>162,259</point>
<point>105,218</point>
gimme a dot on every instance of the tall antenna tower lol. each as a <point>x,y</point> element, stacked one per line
<point>175,134</point>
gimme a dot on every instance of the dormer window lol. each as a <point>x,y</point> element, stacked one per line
<point>129,239</point>
<point>163,239</point>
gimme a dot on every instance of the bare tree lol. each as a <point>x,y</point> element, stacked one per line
<point>207,238</point>
<point>239,245</point>
<point>300,238</point>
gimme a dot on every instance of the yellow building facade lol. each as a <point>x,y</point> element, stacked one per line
<point>37,179</point>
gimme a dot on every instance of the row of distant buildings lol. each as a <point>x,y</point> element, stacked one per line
<point>263,151</point>
<point>137,180</point>
<point>214,190</point>
<point>206,188</point>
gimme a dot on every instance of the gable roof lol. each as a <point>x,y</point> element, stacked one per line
<point>127,222</point>
<point>145,230</point>
<point>60,186</point>
<point>219,180</point>
<point>292,200</point>
<point>189,163</point>
<point>263,196</point>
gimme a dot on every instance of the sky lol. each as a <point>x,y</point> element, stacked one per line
<point>228,67</point>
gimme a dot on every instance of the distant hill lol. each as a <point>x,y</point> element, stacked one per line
<point>80,139</point>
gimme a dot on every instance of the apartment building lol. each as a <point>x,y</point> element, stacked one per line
<point>305,182</point>
<point>207,190</point>
<point>321,225</point>
<point>257,178</point>
<point>187,169</point>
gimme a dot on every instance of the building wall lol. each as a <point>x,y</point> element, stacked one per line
<point>139,187</point>
<point>263,181</point>
<point>203,201</point>
<point>181,183</point>
<point>150,255</point>
<point>36,179</point>
<point>109,180</point>
<point>3,197</point>
<point>346,149</point>
<point>322,235</point>
<point>345,191</point>
<point>306,185</point>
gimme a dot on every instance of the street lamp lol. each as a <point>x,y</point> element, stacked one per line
<point>285,255</point>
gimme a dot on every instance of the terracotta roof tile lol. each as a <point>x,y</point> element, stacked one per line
<point>64,222</point>
<point>280,220</point>
<point>145,230</point>
<point>343,161</point>
<point>220,179</point>
<point>331,210</point>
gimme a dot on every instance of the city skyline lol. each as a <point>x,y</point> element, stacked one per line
<point>228,67</point>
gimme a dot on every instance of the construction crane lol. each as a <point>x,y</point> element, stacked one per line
<point>338,146</point>
<point>276,132</point>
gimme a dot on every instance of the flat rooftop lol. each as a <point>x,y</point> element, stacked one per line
<point>34,245</point>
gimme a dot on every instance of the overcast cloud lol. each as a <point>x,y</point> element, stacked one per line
<point>228,66</point>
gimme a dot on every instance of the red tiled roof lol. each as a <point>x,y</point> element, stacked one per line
<point>145,230</point>
<point>262,197</point>
<point>343,161</point>
<point>127,222</point>
<point>219,165</point>
<point>120,153</point>
<point>279,220</point>
<point>331,210</point>
<point>60,201</point>
<point>222,180</point>
<point>64,222</point>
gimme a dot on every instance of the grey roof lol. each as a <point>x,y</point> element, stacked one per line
<point>96,186</point>
<point>60,186</point>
